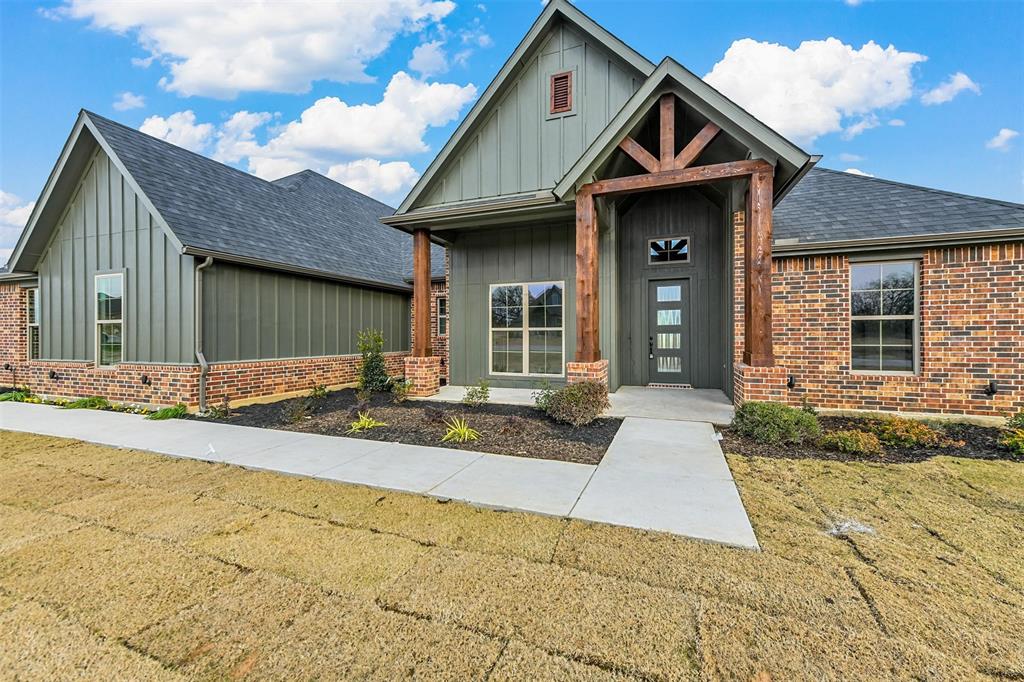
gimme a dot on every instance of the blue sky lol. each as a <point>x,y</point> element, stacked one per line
<point>925,93</point>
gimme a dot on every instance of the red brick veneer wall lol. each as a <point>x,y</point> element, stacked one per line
<point>13,332</point>
<point>971,331</point>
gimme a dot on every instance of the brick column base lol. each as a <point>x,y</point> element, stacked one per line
<point>586,371</point>
<point>759,383</point>
<point>424,374</point>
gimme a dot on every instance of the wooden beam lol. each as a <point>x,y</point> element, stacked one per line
<point>668,129</point>
<point>668,179</point>
<point>421,292</point>
<point>757,293</point>
<point>640,155</point>
<point>695,146</point>
<point>587,308</point>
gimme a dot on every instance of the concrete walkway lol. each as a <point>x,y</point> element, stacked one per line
<point>684,404</point>
<point>657,475</point>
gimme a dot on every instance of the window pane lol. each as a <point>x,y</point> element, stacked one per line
<point>108,296</point>
<point>546,352</point>
<point>669,341</point>
<point>442,326</point>
<point>33,306</point>
<point>897,275</point>
<point>506,351</point>
<point>865,357</point>
<point>898,302</point>
<point>668,251</point>
<point>110,344</point>
<point>897,358</point>
<point>670,363</point>
<point>865,277</point>
<point>545,305</point>
<point>897,332</point>
<point>670,293</point>
<point>442,306</point>
<point>865,303</point>
<point>33,343</point>
<point>864,332</point>
<point>668,318</point>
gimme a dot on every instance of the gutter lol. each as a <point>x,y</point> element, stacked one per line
<point>204,366</point>
<point>887,243</point>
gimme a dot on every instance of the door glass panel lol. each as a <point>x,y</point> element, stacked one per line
<point>670,363</point>
<point>669,341</point>
<point>669,317</point>
<point>670,293</point>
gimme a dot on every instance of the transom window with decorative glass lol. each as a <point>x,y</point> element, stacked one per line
<point>33,315</point>
<point>109,319</point>
<point>526,328</point>
<point>442,316</point>
<point>668,250</point>
<point>883,316</point>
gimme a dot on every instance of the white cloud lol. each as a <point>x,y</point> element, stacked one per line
<point>129,100</point>
<point>180,129</point>
<point>236,138</point>
<point>14,215</point>
<point>854,129</point>
<point>850,158</point>
<point>950,88</point>
<point>812,90</point>
<point>897,122</point>
<point>5,255</point>
<point>857,171</point>
<point>219,49</point>
<point>388,182</point>
<point>429,59</point>
<point>1001,141</point>
<point>853,3</point>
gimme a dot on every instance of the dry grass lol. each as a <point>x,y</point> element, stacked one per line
<point>124,565</point>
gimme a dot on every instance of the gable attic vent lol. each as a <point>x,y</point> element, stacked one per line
<point>561,92</point>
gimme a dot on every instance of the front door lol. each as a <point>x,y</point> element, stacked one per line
<point>667,331</point>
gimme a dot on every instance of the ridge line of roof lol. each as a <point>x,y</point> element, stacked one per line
<point>934,190</point>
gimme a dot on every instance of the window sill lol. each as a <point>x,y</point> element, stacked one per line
<point>882,373</point>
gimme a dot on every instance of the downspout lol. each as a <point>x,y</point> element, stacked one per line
<point>204,366</point>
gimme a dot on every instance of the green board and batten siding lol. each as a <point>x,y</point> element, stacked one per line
<point>105,228</point>
<point>251,314</point>
<point>516,147</point>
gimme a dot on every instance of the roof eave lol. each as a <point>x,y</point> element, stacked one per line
<point>899,242</point>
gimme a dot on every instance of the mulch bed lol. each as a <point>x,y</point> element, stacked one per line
<point>504,429</point>
<point>979,442</point>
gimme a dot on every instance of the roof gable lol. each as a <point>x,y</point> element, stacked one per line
<point>507,127</point>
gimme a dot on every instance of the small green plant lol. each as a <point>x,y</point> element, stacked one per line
<point>478,395</point>
<point>852,441</point>
<point>400,389</point>
<point>318,392</point>
<point>901,432</point>
<point>364,423</point>
<point>127,408</point>
<point>1016,422</point>
<point>773,423</point>
<point>1013,441</point>
<point>373,372</point>
<point>459,431</point>
<point>577,404</point>
<point>806,406</point>
<point>542,396</point>
<point>17,395</point>
<point>298,411</point>
<point>91,403</point>
<point>176,412</point>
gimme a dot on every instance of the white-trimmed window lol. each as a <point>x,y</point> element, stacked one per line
<point>526,329</point>
<point>442,316</point>
<point>884,317</point>
<point>668,250</point>
<point>32,315</point>
<point>109,319</point>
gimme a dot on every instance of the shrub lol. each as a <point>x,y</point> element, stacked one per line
<point>906,433</point>
<point>364,423</point>
<point>17,395</point>
<point>433,414</point>
<point>1014,423</point>
<point>318,392</point>
<point>852,441</point>
<point>222,411</point>
<point>1014,441</point>
<point>773,423</point>
<point>542,396</point>
<point>577,404</point>
<point>176,412</point>
<point>400,390</point>
<point>459,432</point>
<point>478,395</point>
<point>297,411</point>
<point>373,373</point>
<point>92,403</point>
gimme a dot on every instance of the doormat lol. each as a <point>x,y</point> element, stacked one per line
<point>669,386</point>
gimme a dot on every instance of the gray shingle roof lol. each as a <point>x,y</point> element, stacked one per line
<point>830,206</point>
<point>302,221</point>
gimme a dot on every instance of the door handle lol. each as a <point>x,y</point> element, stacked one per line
<point>650,346</point>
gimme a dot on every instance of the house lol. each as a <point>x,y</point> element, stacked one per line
<point>610,218</point>
<point>150,274</point>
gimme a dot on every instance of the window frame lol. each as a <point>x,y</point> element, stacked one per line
<point>32,302</point>
<point>915,318</point>
<point>97,321</point>
<point>689,246</point>
<point>525,328</point>
<point>444,317</point>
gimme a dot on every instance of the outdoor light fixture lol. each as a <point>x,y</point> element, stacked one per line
<point>8,367</point>
<point>992,388</point>
<point>145,380</point>
<point>791,382</point>
<point>53,375</point>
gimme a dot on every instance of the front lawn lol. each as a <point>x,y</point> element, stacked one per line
<point>117,564</point>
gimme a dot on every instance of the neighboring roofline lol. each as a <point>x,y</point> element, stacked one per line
<point>293,269</point>
<point>733,119</point>
<point>781,192</point>
<point>468,209</point>
<point>18,276</point>
<point>909,241</point>
<point>946,192</point>
<point>553,9</point>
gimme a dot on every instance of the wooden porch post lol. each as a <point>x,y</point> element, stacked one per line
<point>587,309</point>
<point>421,292</point>
<point>757,298</point>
